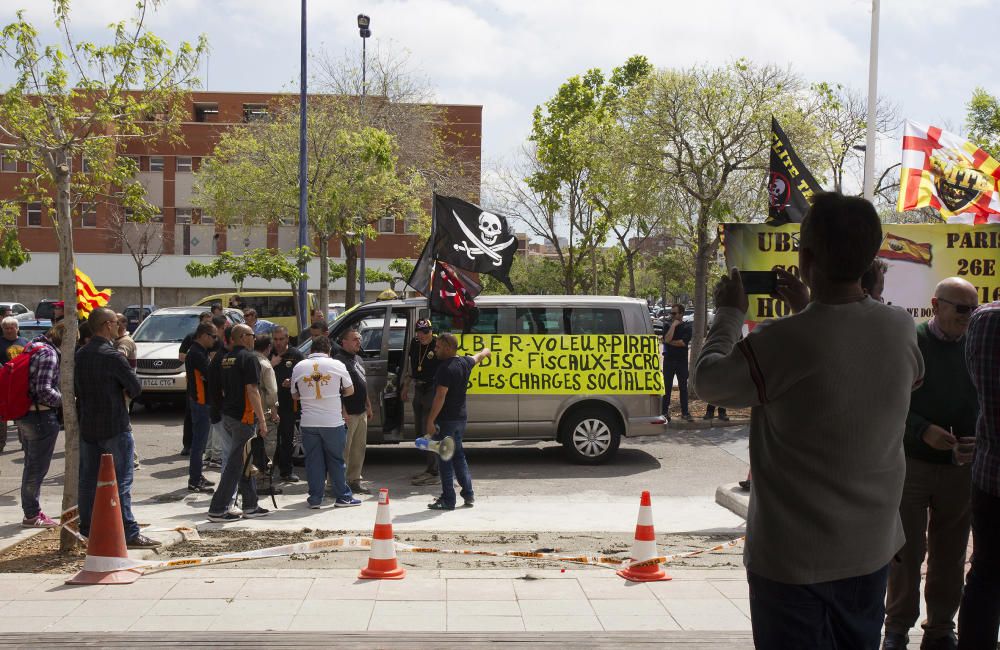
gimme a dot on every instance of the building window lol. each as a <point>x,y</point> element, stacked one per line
<point>254,112</point>
<point>156,163</point>
<point>184,163</point>
<point>182,216</point>
<point>88,215</point>
<point>387,225</point>
<point>129,215</point>
<point>410,225</point>
<point>8,164</point>
<point>34,214</point>
<point>206,219</point>
<point>84,165</point>
<point>205,112</point>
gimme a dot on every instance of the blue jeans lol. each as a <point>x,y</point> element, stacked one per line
<point>39,430</point>
<point>324,447</point>
<point>979,616</point>
<point>122,447</point>
<point>844,613</point>
<point>201,424</point>
<point>238,435</point>
<point>457,467</point>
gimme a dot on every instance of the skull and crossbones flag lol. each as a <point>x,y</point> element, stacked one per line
<point>790,186</point>
<point>468,237</point>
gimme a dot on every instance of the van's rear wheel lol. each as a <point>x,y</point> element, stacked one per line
<point>591,436</point>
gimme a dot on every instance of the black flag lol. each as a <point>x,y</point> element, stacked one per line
<point>790,186</point>
<point>468,237</point>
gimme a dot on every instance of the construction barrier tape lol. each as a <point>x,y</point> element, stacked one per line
<point>598,560</point>
<point>665,559</point>
<point>314,546</point>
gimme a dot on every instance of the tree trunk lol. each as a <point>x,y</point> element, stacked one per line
<point>324,271</point>
<point>702,252</point>
<point>630,265</point>
<point>67,280</point>
<point>142,300</point>
<point>351,262</point>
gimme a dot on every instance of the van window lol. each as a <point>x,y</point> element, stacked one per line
<point>596,320</point>
<point>280,306</point>
<point>487,323</point>
<point>540,320</point>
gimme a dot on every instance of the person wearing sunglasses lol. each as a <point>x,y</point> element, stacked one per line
<point>935,509</point>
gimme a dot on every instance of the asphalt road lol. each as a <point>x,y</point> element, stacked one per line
<point>679,463</point>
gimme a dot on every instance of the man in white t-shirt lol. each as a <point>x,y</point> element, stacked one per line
<point>318,382</point>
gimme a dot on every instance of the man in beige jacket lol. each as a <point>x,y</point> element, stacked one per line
<point>268,389</point>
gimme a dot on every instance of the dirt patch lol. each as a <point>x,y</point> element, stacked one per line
<point>698,409</point>
<point>40,554</point>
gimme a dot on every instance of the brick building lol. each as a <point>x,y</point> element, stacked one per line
<point>166,171</point>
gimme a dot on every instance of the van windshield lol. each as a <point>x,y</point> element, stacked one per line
<point>162,328</point>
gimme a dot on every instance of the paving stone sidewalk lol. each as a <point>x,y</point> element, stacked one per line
<point>218,599</point>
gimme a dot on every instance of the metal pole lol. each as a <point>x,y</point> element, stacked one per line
<point>869,189</point>
<point>303,213</point>
<point>364,91</point>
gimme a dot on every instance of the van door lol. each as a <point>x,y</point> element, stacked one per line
<point>373,324</point>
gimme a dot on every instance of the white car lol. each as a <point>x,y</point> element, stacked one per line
<point>19,311</point>
<point>158,341</point>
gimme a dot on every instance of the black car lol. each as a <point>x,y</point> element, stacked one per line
<point>45,309</point>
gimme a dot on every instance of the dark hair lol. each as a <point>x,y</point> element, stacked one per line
<point>319,325</point>
<point>220,321</point>
<point>321,344</point>
<point>203,315</point>
<point>678,306</point>
<point>449,339</point>
<point>248,311</point>
<point>262,342</point>
<point>843,234</point>
<point>204,328</point>
<point>872,273</point>
<point>216,305</point>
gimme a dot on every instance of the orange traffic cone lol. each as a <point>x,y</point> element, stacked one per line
<point>644,548</point>
<point>382,563</point>
<point>107,561</point>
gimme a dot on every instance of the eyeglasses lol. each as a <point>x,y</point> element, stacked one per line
<point>959,307</point>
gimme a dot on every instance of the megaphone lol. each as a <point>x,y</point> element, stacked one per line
<point>445,447</point>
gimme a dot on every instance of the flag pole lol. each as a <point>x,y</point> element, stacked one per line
<point>430,242</point>
<point>869,189</point>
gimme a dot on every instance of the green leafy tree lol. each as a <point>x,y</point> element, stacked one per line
<point>982,119</point>
<point>338,270</point>
<point>353,176</point>
<point>78,101</point>
<point>12,254</point>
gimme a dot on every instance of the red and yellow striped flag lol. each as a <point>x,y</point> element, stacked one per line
<point>895,247</point>
<point>949,174</point>
<point>88,297</point>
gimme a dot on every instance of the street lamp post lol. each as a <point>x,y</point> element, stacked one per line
<point>364,22</point>
<point>303,215</point>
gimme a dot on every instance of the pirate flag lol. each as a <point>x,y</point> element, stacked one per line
<point>453,293</point>
<point>790,186</point>
<point>467,237</point>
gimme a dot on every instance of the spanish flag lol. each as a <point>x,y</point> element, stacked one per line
<point>949,174</point>
<point>87,296</point>
<point>895,247</point>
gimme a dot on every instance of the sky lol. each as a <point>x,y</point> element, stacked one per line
<point>511,55</point>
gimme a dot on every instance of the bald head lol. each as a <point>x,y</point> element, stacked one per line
<point>953,303</point>
<point>242,335</point>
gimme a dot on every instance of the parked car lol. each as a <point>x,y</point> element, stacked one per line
<point>18,311</point>
<point>31,328</point>
<point>45,310</point>
<point>135,316</point>
<point>334,310</point>
<point>275,306</point>
<point>158,341</point>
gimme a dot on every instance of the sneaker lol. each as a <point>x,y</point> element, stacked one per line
<point>141,541</point>
<point>895,641</point>
<point>357,488</point>
<point>203,489</point>
<point>186,451</point>
<point>312,506</point>
<point>430,479</point>
<point>290,478</point>
<point>439,505</point>
<point>745,485</point>
<point>204,482</point>
<point>346,503</point>
<point>224,517</point>
<point>470,502</point>
<point>255,513</point>
<point>213,464</point>
<point>417,477</point>
<point>41,520</point>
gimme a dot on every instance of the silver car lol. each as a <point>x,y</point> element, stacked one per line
<point>590,426</point>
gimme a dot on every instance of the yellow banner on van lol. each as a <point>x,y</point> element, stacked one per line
<point>918,256</point>
<point>549,364</point>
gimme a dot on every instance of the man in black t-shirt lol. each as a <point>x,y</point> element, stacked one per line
<point>423,366</point>
<point>283,360</point>
<point>203,317</point>
<point>242,410</point>
<point>196,367</point>
<point>448,412</point>
<point>676,339</point>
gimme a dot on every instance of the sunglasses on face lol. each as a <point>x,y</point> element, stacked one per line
<point>959,307</point>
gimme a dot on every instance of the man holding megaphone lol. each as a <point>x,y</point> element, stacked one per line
<point>448,415</point>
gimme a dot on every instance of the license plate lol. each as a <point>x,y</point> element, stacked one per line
<point>152,383</point>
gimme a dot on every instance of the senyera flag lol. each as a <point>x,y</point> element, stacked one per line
<point>949,174</point>
<point>88,298</point>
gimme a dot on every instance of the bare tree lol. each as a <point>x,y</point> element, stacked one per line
<point>143,240</point>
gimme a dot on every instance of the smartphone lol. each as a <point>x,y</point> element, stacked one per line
<point>759,282</point>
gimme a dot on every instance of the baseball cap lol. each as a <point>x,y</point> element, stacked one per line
<point>424,324</point>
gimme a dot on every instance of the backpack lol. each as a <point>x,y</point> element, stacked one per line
<point>15,402</point>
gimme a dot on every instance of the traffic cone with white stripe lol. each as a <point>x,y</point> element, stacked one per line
<point>382,563</point>
<point>643,567</point>
<point>107,561</point>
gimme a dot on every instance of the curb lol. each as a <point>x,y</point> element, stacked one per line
<point>681,425</point>
<point>733,498</point>
<point>167,538</point>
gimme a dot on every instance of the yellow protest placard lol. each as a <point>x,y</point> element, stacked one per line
<point>918,256</point>
<point>606,364</point>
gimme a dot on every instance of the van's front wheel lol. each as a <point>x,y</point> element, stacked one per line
<point>591,436</point>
